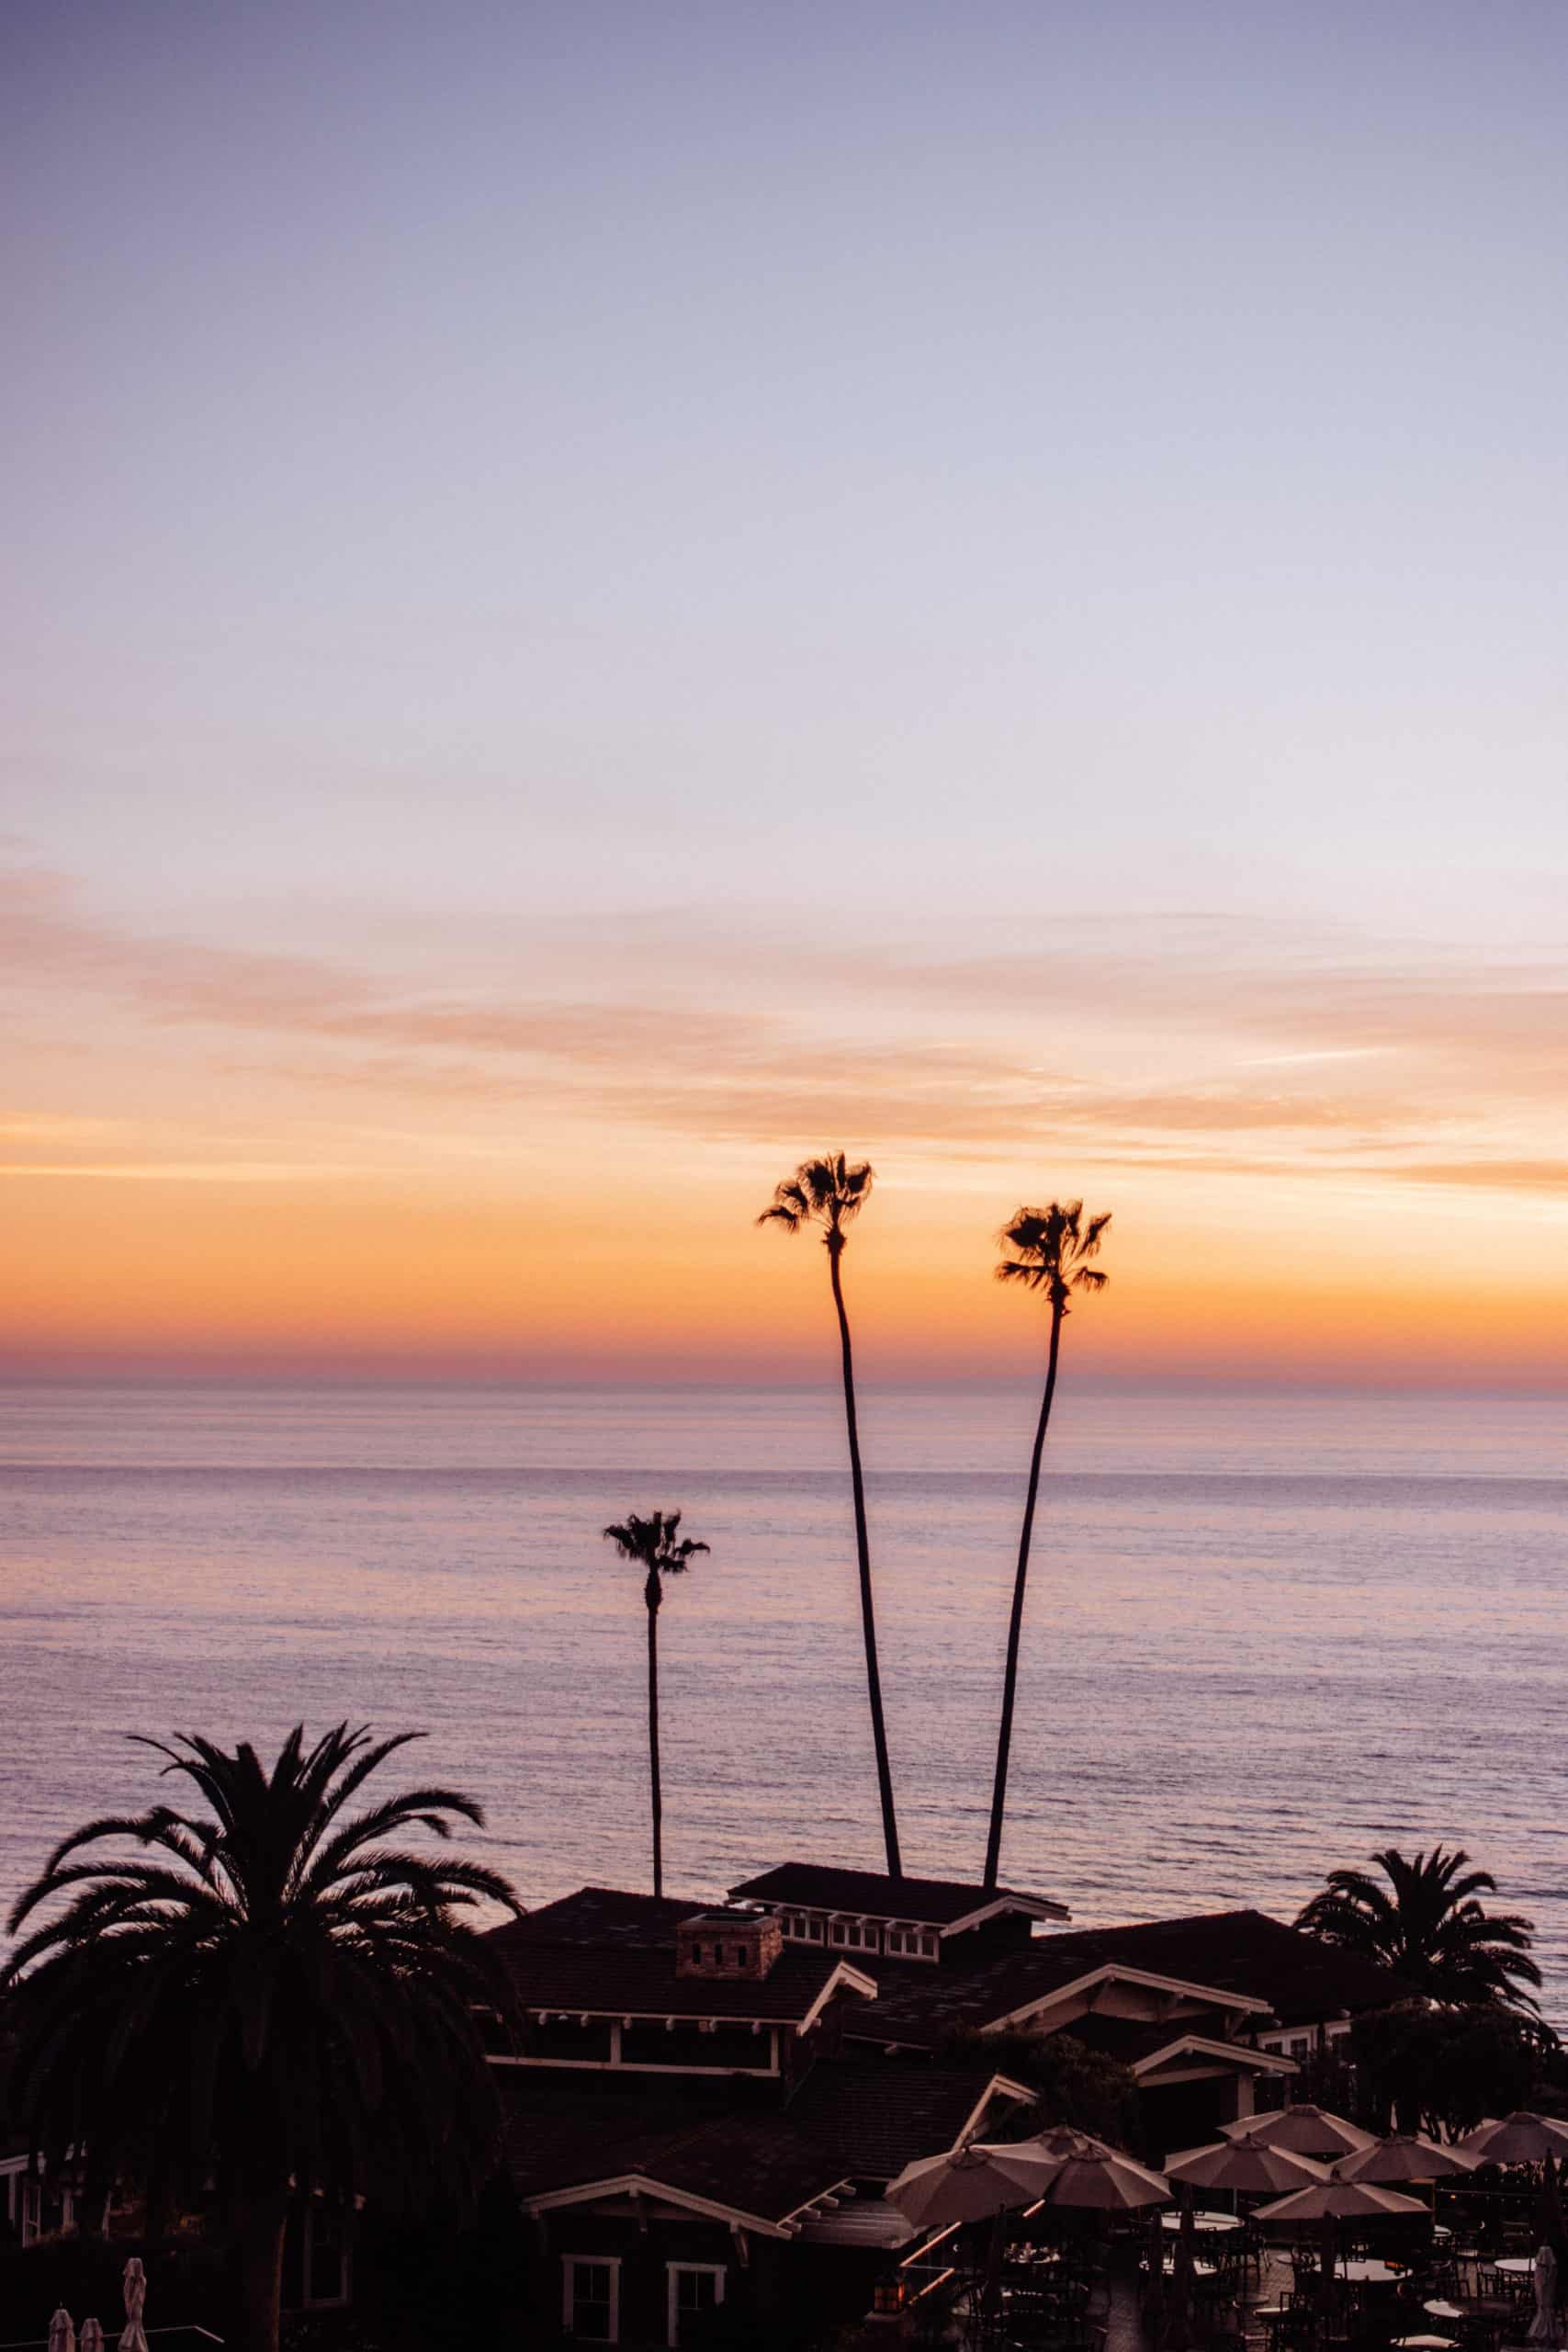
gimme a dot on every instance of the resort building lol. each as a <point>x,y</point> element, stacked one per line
<point>685,2129</point>
<point>704,2105</point>
<point>937,1921</point>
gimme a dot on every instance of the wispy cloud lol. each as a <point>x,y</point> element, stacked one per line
<point>1294,1053</point>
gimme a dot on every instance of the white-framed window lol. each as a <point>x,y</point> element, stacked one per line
<point>590,2296</point>
<point>814,1931</point>
<point>21,2201</point>
<point>857,1938</point>
<point>324,2263</point>
<point>693,2288</point>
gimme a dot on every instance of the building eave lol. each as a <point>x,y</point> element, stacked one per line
<point>1033,1906</point>
<point>853,1980</point>
<point>640,2183</point>
<point>1239,2054</point>
<point>1111,1972</point>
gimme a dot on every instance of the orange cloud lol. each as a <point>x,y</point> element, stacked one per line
<point>555,1163</point>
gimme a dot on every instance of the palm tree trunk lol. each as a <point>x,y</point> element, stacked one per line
<point>868,1613</point>
<point>652,1594</point>
<point>1015,1628</point>
<point>262,2226</point>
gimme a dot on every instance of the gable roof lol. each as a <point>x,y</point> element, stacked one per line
<point>1302,1979</point>
<point>604,1915</point>
<point>1236,1959</point>
<point>876,2116</point>
<point>603,1953</point>
<point>941,1903</point>
<point>753,2166</point>
<point>1141,2045</point>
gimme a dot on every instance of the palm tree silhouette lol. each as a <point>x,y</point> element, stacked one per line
<point>1428,1925</point>
<point>1051,1249</point>
<point>831,1193</point>
<point>656,1545</point>
<point>277,1993</point>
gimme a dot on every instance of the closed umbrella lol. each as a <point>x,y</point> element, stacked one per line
<point>92,2336</point>
<point>1183,2271</point>
<point>1543,2327</point>
<point>1403,2155</point>
<point>1305,2131</point>
<point>133,2335</point>
<point>61,2334</point>
<point>1518,2139</point>
<point>1249,2164</point>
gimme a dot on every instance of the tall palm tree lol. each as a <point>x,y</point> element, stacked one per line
<point>275,1992</point>
<point>831,1193</point>
<point>656,1545</point>
<point>1428,1925</point>
<point>1051,1249</point>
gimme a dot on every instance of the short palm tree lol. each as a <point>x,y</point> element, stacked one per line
<point>1051,1253</point>
<point>1428,1925</point>
<point>831,1193</point>
<point>275,1993</point>
<point>655,1545</point>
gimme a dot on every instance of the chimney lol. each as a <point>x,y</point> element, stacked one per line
<point>740,1945</point>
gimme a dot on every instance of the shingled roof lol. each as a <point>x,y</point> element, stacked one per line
<point>877,2116</point>
<point>1302,1978</point>
<point>754,2163</point>
<point>605,1953</point>
<point>929,1902</point>
<point>1240,1953</point>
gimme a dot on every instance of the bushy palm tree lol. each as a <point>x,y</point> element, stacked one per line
<point>656,1545</point>
<point>1428,1925</point>
<point>830,1194</point>
<point>1051,1253</point>
<point>276,1994</point>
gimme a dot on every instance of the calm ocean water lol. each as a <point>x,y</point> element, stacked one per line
<point>1265,1634</point>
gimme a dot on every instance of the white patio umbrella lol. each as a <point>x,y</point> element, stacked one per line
<point>1305,2131</point>
<point>92,2336</point>
<point>61,2332</point>
<point>1092,2177</point>
<point>971,2183</point>
<point>1518,2139</point>
<point>1339,2201</point>
<point>1245,2164</point>
<point>1543,2327</point>
<point>1403,2155</point>
<point>1331,2201</point>
<point>133,2335</point>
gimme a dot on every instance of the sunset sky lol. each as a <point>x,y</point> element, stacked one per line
<point>602,596</point>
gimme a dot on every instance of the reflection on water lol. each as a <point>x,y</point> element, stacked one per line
<point>1265,1634</point>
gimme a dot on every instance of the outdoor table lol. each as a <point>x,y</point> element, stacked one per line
<point>1517,2266</point>
<point>1206,2225</point>
<point>1424,2343</point>
<point>1200,2270</point>
<point>1443,2311</point>
<point>1366,2271</point>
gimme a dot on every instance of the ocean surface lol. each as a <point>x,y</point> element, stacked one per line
<point>1265,1635</point>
